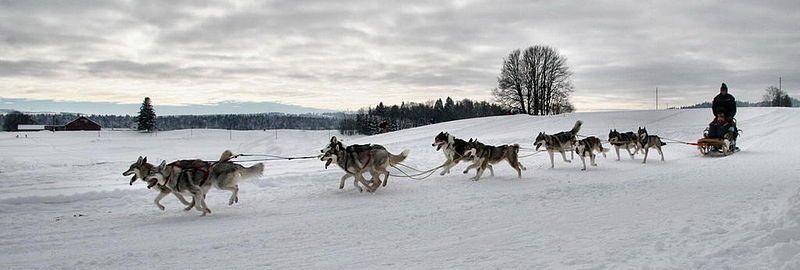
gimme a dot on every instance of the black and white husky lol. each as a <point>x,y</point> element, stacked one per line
<point>627,140</point>
<point>647,141</point>
<point>356,160</point>
<point>587,148</point>
<point>559,142</point>
<point>453,149</point>
<point>483,156</point>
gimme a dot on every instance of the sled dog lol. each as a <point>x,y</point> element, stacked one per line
<point>453,149</point>
<point>140,170</point>
<point>196,177</point>
<point>627,140</point>
<point>559,142</point>
<point>484,155</point>
<point>587,148</point>
<point>355,160</point>
<point>647,141</point>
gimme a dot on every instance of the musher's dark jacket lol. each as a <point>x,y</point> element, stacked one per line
<point>724,103</point>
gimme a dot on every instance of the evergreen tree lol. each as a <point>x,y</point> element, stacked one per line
<point>147,116</point>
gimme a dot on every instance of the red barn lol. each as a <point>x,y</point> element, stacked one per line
<point>82,123</point>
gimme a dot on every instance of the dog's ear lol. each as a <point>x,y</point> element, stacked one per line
<point>144,160</point>
<point>163,164</point>
<point>333,139</point>
<point>139,161</point>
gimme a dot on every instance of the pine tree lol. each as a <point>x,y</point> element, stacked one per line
<point>147,116</point>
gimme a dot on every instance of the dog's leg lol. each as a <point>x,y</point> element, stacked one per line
<point>180,198</point>
<point>659,151</point>
<point>364,182</point>
<point>355,183</point>
<point>628,148</point>
<point>515,166</point>
<point>191,204</point>
<point>234,194</point>
<point>552,163</point>
<point>160,196</point>
<point>583,159</point>
<point>341,184</point>
<point>646,150</point>
<point>594,159</point>
<point>470,167</point>
<point>376,180</point>
<point>386,179</point>
<point>616,147</point>
<point>446,167</point>
<point>564,155</point>
<point>491,169</point>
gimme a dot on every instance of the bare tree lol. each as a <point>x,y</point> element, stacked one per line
<point>536,82</point>
<point>509,91</point>
<point>775,97</point>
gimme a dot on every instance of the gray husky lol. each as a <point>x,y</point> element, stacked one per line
<point>587,148</point>
<point>355,160</point>
<point>485,155</point>
<point>628,140</point>
<point>196,177</point>
<point>559,142</point>
<point>140,170</point>
<point>647,141</point>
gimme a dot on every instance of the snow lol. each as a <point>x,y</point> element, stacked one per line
<point>66,205</point>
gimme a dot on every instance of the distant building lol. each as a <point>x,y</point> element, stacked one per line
<point>30,127</point>
<point>82,123</point>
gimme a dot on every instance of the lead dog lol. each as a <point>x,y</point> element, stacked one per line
<point>484,155</point>
<point>587,148</point>
<point>559,142</point>
<point>355,160</point>
<point>647,141</point>
<point>194,177</point>
<point>140,169</point>
<point>453,149</point>
<point>627,140</point>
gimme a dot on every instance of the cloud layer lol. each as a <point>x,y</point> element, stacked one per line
<point>347,54</point>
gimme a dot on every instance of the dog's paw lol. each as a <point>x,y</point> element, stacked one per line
<point>568,161</point>
<point>188,208</point>
<point>161,207</point>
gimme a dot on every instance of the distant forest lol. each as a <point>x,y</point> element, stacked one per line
<point>381,118</point>
<point>223,121</point>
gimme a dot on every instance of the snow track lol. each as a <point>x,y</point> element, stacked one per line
<point>65,204</point>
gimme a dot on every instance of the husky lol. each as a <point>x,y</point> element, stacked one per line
<point>587,148</point>
<point>628,140</point>
<point>185,177</point>
<point>647,141</point>
<point>559,142</point>
<point>453,149</point>
<point>484,155</point>
<point>196,177</point>
<point>355,160</point>
<point>140,170</point>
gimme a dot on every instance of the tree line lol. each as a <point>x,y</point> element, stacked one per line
<point>773,97</point>
<point>173,122</point>
<point>381,118</point>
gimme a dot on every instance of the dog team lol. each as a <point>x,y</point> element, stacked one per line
<point>195,177</point>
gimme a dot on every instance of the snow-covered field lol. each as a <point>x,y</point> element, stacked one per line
<point>65,204</point>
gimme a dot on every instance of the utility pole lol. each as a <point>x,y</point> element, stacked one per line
<point>780,82</point>
<point>656,98</point>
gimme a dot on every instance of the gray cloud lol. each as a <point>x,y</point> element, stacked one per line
<point>356,53</point>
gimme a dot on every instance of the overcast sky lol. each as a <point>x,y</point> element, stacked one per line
<point>347,54</point>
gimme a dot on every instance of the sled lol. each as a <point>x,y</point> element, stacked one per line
<point>711,146</point>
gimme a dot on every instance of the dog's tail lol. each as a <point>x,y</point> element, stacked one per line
<point>252,171</point>
<point>394,159</point>
<point>576,128</point>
